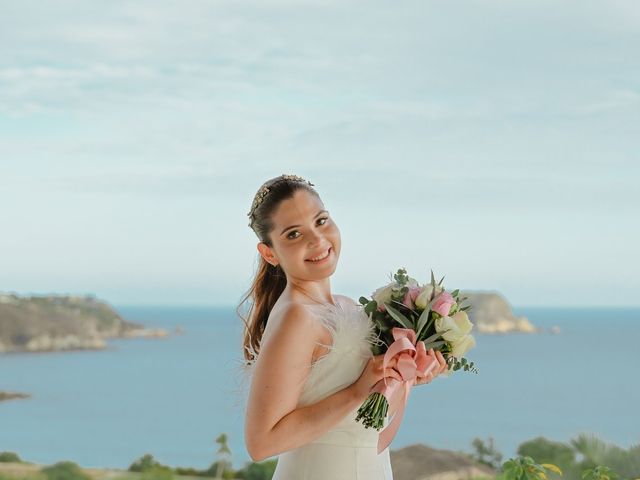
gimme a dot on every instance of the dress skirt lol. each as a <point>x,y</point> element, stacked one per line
<point>339,455</point>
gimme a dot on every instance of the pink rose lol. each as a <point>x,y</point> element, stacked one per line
<point>443,303</point>
<point>410,296</point>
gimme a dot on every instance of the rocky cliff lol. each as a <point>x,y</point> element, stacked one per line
<point>12,395</point>
<point>53,323</point>
<point>491,313</point>
<point>420,462</point>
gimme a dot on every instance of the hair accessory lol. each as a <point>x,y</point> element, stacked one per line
<point>265,189</point>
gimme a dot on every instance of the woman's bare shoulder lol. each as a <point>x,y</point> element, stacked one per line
<point>290,337</point>
<point>289,316</point>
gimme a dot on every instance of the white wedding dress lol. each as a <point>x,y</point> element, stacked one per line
<point>349,450</point>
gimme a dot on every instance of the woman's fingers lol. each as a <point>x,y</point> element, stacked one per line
<point>393,362</point>
<point>393,373</point>
<point>442,365</point>
<point>425,379</point>
<point>443,362</point>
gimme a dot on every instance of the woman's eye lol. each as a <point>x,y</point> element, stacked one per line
<point>294,231</point>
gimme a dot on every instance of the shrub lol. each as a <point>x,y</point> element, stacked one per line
<point>65,470</point>
<point>147,463</point>
<point>222,466</point>
<point>258,471</point>
<point>9,457</point>
<point>157,473</point>
<point>548,451</point>
<point>526,468</point>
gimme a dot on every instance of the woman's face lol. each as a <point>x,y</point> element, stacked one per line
<point>303,230</point>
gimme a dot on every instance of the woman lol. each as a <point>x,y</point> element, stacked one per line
<point>309,350</point>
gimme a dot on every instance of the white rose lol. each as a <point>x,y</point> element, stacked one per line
<point>383,294</point>
<point>458,326</point>
<point>463,345</point>
<point>456,330</point>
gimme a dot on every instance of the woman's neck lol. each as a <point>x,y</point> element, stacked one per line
<point>312,291</point>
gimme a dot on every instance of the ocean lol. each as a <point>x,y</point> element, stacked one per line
<point>171,397</point>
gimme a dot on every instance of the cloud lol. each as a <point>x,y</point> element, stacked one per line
<point>312,61</point>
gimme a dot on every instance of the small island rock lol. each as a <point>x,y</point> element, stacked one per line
<point>491,313</point>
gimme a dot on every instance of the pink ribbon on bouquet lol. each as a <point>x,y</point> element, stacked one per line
<point>412,362</point>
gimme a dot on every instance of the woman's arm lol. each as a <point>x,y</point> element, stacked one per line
<point>273,423</point>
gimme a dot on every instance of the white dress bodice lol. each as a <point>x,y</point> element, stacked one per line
<point>349,450</point>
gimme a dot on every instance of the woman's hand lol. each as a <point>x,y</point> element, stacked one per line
<point>436,371</point>
<point>372,374</point>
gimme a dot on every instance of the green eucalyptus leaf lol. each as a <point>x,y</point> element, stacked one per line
<point>398,317</point>
<point>370,307</point>
<point>433,337</point>
<point>434,344</point>
<point>422,321</point>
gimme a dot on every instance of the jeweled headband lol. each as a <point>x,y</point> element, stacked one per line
<point>266,188</point>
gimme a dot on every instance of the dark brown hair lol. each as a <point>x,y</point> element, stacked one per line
<point>269,281</point>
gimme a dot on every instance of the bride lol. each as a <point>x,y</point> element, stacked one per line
<point>309,351</point>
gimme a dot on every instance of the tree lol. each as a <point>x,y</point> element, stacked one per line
<point>224,456</point>
<point>486,454</point>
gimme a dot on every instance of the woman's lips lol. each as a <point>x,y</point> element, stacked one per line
<point>324,259</point>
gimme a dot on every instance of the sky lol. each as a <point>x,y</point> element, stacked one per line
<point>495,142</point>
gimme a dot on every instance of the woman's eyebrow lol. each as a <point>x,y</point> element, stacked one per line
<point>292,226</point>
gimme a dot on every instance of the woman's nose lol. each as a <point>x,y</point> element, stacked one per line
<point>316,238</point>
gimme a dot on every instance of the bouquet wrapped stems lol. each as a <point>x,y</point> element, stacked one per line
<point>373,411</point>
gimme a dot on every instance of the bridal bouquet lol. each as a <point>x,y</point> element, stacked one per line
<point>409,319</point>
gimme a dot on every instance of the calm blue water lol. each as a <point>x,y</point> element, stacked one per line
<point>172,397</point>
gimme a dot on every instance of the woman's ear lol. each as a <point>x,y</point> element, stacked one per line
<point>267,253</point>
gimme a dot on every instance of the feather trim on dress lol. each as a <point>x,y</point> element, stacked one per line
<point>352,332</point>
